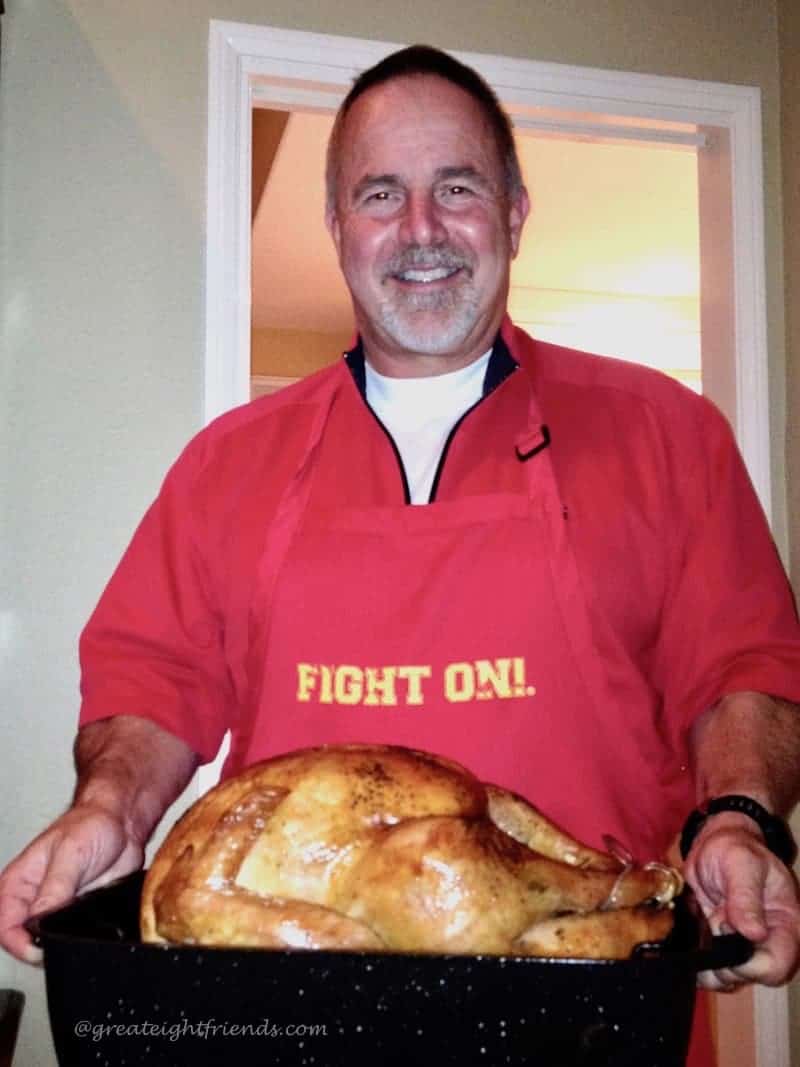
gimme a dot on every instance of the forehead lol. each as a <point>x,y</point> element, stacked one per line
<point>413,124</point>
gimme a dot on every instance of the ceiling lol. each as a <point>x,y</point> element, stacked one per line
<point>609,260</point>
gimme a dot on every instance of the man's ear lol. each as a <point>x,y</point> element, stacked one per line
<point>332,226</point>
<point>518,210</point>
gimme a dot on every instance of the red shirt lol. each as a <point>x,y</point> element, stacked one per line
<point>680,573</point>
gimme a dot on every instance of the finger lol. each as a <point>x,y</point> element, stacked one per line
<point>773,962</point>
<point>13,935</point>
<point>744,910</point>
<point>18,942</point>
<point>131,859</point>
<point>67,872</point>
<point>718,982</point>
<point>722,980</point>
<point>17,892</point>
<point>60,884</point>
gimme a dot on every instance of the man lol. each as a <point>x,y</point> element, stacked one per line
<point>587,608</point>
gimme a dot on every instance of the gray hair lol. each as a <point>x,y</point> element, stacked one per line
<point>420,59</point>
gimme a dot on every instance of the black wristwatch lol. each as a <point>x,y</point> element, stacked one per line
<point>777,835</point>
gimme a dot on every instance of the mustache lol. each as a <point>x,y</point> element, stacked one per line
<point>426,257</point>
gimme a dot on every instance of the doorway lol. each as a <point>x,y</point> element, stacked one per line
<point>609,261</point>
<point>289,70</point>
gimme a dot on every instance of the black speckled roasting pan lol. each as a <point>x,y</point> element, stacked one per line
<point>114,1001</point>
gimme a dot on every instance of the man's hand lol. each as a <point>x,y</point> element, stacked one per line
<point>129,771</point>
<point>747,744</point>
<point>741,886</point>
<point>84,848</point>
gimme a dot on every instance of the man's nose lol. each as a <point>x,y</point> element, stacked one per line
<point>422,222</point>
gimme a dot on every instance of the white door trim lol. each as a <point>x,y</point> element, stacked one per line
<point>285,66</point>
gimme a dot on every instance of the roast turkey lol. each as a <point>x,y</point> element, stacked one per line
<point>380,848</point>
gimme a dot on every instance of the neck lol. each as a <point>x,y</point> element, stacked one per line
<point>420,365</point>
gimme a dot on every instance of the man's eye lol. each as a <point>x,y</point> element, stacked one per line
<point>457,192</point>
<point>381,196</point>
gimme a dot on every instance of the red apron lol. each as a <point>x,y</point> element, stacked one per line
<point>458,627</point>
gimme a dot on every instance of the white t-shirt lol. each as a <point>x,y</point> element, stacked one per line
<point>419,413</point>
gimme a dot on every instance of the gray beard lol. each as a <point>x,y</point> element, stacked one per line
<point>404,320</point>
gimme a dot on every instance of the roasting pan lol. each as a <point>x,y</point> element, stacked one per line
<point>114,1001</point>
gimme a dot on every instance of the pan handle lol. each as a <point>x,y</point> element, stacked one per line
<point>720,951</point>
<point>33,927</point>
<point>101,927</point>
<point>724,950</point>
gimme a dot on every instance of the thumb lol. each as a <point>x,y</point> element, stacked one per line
<point>742,910</point>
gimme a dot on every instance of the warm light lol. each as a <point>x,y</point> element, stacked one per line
<point>610,261</point>
<point>661,332</point>
<point>663,276</point>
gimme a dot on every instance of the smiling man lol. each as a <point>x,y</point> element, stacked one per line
<point>548,566</point>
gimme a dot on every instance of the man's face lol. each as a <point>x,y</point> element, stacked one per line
<point>423,226</point>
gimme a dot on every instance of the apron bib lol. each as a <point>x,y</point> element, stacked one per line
<point>458,627</point>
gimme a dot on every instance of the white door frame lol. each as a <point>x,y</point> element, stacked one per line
<point>292,68</point>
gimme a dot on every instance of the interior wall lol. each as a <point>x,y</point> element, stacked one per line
<point>268,129</point>
<point>789,24</point>
<point>102,180</point>
<point>790,117</point>
<point>294,353</point>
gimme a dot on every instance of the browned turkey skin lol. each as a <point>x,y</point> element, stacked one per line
<point>380,848</point>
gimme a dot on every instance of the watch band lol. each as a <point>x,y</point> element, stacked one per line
<point>777,835</point>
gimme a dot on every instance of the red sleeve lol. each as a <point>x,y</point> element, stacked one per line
<point>729,622</point>
<point>153,646</point>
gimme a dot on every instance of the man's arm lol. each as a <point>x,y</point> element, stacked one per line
<point>747,744</point>
<point>129,772</point>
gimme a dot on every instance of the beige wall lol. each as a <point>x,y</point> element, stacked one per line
<point>789,23</point>
<point>790,116</point>
<point>102,179</point>
<point>294,353</point>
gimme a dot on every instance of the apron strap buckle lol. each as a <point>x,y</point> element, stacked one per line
<point>532,442</point>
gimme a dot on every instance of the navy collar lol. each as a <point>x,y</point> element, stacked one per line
<point>501,365</point>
